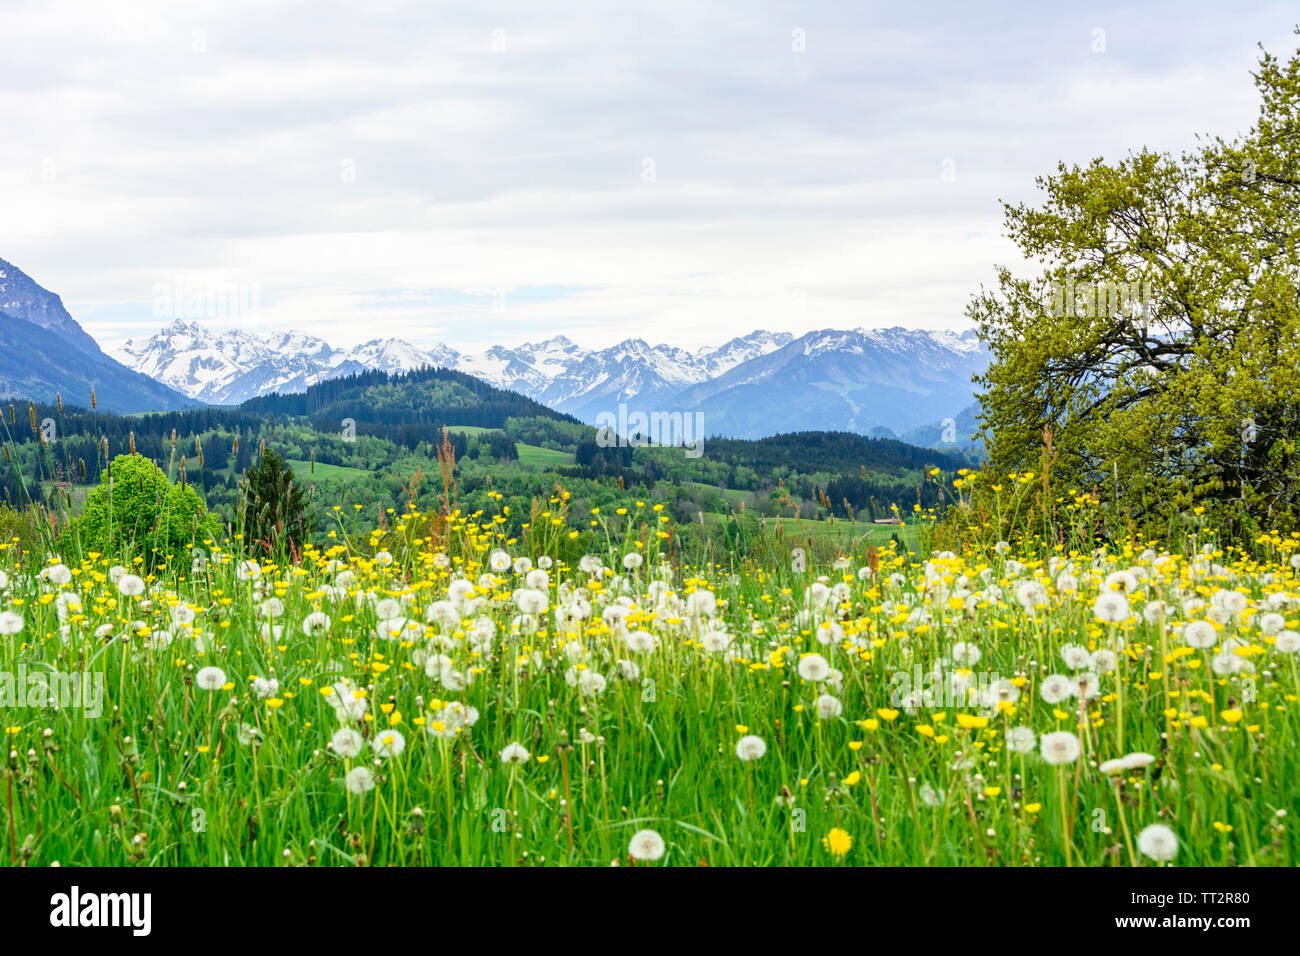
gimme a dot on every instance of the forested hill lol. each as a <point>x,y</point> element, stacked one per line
<point>830,451</point>
<point>426,397</point>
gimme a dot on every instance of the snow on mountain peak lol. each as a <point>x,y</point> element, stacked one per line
<point>227,367</point>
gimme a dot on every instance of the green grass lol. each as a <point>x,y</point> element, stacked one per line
<point>623,737</point>
<point>540,459</point>
<point>838,531</point>
<point>305,470</point>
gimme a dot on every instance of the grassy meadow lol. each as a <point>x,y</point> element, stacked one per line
<point>435,692</point>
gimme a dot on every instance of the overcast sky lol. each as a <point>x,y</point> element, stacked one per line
<point>485,172</point>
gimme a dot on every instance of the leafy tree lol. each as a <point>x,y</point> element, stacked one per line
<point>275,507</point>
<point>136,511</point>
<point>1160,342</point>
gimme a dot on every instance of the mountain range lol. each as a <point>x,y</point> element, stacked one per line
<point>886,382</point>
<point>895,383</point>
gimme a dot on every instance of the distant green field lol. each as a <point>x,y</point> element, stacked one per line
<point>839,530</point>
<point>530,456</point>
<point>321,472</point>
<point>534,456</point>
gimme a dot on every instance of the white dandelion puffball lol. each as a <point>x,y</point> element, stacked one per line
<point>264,687</point>
<point>1021,740</point>
<point>130,585</point>
<point>182,614</point>
<point>346,742</point>
<point>1288,642</point>
<point>965,654</point>
<point>643,642</point>
<point>1030,594</point>
<point>1200,634</point>
<point>1138,759</point>
<point>1125,581</point>
<point>1058,748</point>
<point>1066,583</point>
<point>388,608</point>
<point>590,683</point>
<point>359,780</point>
<point>10,623</point>
<point>4,580</point>
<point>1227,663</point>
<point>515,753</point>
<point>1158,842</point>
<point>210,678</point>
<point>716,641</point>
<point>500,560</point>
<point>1085,685</point>
<point>388,743</point>
<point>1231,602</point>
<point>1271,623</point>
<point>1104,661</point>
<point>452,679</point>
<point>1154,611</point>
<point>459,591</point>
<point>702,603</point>
<point>1112,607</point>
<point>383,558</point>
<point>750,748</point>
<point>1076,656</point>
<point>632,561</point>
<point>537,579</point>
<point>316,624</point>
<point>348,702</point>
<point>443,613</point>
<point>530,601</point>
<point>814,668</point>
<point>58,574</point>
<point>646,845</point>
<point>1055,688</point>
<point>829,707</point>
<point>1133,761</point>
<point>248,570</point>
<point>628,670</point>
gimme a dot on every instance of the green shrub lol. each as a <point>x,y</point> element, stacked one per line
<point>136,511</point>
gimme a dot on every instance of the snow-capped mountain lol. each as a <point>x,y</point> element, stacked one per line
<point>868,381</point>
<point>871,381</point>
<point>584,382</point>
<point>229,367</point>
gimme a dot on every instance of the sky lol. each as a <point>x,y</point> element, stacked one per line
<point>495,173</point>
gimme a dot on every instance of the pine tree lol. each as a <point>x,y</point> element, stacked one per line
<point>274,506</point>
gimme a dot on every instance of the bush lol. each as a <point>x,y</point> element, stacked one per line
<point>136,511</point>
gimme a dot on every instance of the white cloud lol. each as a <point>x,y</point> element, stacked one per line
<point>327,152</point>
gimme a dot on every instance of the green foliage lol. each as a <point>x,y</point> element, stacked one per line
<point>135,511</point>
<point>1187,392</point>
<point>274,506</point>
<point>22,529</point>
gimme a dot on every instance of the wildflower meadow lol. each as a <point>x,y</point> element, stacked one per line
<point>436,692</point>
